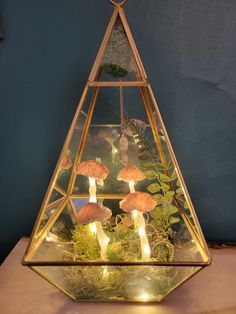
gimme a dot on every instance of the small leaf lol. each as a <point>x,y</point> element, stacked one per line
<point>158,224</point>
<point>153,188</point>
<point>169,195</point>
<point>157,213</point>
<point>177,183</point>
<point>146,164</point>
<point>143,157</point>
<point>165,187</point>
<point>172,210</point>
<point>160,166</point>
<point>164,177</point>
<point>173,175</point>
<point>186,205</point>
<point>159,198</point>
<point>174,220</point>
<point>179,191</point>
<point>150,174</point>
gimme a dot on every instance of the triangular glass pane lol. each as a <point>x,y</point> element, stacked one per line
<point>118,62</point>
<point>55,195</point>
<point>55,237</point>
<point>47,213</point>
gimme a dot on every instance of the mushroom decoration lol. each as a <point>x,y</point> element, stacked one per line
<point>131,174</point>
<point>142,202</point>
<point>91,212</point>
<point>94,171</point>
<point>66,163</point>
<point>137,203</point>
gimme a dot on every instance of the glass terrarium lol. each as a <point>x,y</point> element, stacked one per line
<point>117,222</point>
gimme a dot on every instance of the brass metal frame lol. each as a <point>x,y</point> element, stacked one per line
<point>147,98</point>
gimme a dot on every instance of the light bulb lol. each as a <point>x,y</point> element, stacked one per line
<point>146,250</point>
<point>93,228</point>
<point>141,231</point>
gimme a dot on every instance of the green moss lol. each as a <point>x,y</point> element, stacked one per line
<point>114,70</point>
<point>85,244</point>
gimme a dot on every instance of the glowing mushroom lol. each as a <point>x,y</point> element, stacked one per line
<point>95,171</point>
<point>94,213</point>
<point>91,212</point>
<point>131,174</point>
<point>142,202</point>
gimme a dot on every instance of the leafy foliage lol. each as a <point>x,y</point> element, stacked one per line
<point>162,177</point>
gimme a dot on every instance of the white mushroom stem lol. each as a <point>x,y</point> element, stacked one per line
<point>92,190</point>
<point>102,239</point>
<point>96,227</point>
<point>139,223</point>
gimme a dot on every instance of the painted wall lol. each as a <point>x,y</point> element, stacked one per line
<point>189,52</point>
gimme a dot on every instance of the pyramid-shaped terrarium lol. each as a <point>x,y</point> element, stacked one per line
<point>117,223</point>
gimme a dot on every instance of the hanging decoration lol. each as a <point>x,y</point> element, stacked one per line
<point>117,222</point>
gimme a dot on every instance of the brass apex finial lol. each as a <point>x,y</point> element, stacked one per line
<point>118,3</point>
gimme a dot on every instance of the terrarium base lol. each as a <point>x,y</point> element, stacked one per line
<point>116,283</point>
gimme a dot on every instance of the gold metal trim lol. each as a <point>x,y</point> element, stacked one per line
<point>82,140</point>
<point>117,83</point>
<point>142,73</point>
<point>56,171</point>
<point>38,240</point>
<point>60,190</point>
<point>186,194</point>
<point>97,62</point>
<point>52,204</point>
<point>106,263</point>
<point>100,196</point>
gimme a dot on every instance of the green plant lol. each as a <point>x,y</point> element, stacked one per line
<point>162,184</point>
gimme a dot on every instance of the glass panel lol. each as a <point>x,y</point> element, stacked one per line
<point>56,239</point>
<point>68,159</point>
<point>164,149</point>
<point>114,283</point>
<point>118,62</point>
<point>46,215</point>
<point>55,196</point>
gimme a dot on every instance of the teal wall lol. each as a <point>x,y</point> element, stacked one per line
<point>189,52</point>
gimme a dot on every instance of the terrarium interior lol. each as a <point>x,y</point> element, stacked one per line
<point>117,223</point>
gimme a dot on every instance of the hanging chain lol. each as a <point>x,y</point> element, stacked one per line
<point>123,141</point>
<point>122,111</point>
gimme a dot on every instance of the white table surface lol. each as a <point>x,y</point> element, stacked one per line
<point>212,290</point>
